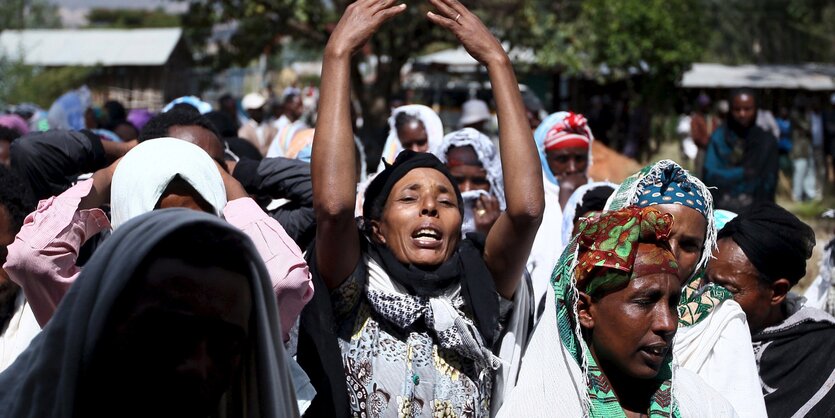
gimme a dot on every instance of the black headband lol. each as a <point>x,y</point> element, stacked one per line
<point>775,241</point>
<point>378,191</point>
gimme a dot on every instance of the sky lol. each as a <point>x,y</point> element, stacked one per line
<point>122,4</point>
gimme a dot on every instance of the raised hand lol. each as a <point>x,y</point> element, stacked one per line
<point>486,212</point>
<point>360,20</point>
<point>470,31</point>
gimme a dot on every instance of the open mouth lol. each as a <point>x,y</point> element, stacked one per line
<point>656,352</point>
<point>427,236</point>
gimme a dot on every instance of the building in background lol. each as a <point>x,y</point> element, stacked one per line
<point>142,68</point>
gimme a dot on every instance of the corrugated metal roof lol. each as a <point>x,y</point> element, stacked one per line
<point>801,76</point>
<point>88,47</point>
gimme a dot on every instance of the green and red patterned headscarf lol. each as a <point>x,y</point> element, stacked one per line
<point>603,256</point>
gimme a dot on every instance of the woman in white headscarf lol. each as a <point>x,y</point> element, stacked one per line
<point>414,127</point>
<point>172,316</point>
<point>564,142</point>
<point>474,163</point>
<point>156,174</point>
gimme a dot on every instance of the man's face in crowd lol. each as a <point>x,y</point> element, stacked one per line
<point>743,109</point>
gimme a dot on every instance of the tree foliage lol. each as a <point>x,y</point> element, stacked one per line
<point>770,31</point>
<point>131,18</point>
<point>24,14</point>
<point>260,26</point>
<point>21,83</point>
<point>608,40</point>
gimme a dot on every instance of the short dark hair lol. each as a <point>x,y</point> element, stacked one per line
<point>159,125</point>
<point>289,97</point>
<point>15,197</point>
<point>404,118</point>
<point>115,111</point>
<point>743,90</point>
<point>224,124</point>
<point>8,134</point>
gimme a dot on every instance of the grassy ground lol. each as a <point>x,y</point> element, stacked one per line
<point>809,212</point>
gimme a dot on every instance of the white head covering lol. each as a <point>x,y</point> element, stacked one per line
<point>253,101</point>
<point>474,110</point>
<point>194,101</point>
<point>43,382</point>
<point>145,172</point>
<point>430,120</point>
<point>486,153</point>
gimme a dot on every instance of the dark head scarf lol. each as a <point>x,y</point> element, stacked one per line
<point>378,191</point>
<point>466,265</point>
<point>775,241</point>
<point>43,381</point>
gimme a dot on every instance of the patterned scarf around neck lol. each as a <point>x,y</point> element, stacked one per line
<point>601,401</point>
<point>403,295</point>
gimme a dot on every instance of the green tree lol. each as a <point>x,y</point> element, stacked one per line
<point>262,25</point>
<point>770,31</point>
<point>20,83</point>
<point>131,18</point>
<point>663,37</point>
<point>25,14</point>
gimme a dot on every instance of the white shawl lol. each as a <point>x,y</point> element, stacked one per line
<point>144,173</point>
<point>719,351</point>
<point>547,246</point>
<point>550,382</point>
<point>431,121</point>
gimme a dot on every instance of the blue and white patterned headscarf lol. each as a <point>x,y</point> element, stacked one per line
<point>665,182</point>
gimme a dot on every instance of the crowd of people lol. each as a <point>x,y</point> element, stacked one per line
<point>190,263</point>
<point>800,141</point>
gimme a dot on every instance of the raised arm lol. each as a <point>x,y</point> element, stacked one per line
<point>332,161</point>
<point>509,241</point>
<point>48,160</point>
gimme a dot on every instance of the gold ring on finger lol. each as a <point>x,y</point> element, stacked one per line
<point>481,212</point>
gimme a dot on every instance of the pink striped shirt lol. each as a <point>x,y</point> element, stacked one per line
<point>42,259</point>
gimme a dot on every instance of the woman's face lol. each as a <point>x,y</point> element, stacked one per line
<point>567,161</point>
<point>421,222</point>
<point>413,136</point>
<point>743,109</point>
<point>630,330</point>
<point>466,169</point>
<point>687,237</point>
<point>178,339</point>
<point>180,194</point>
